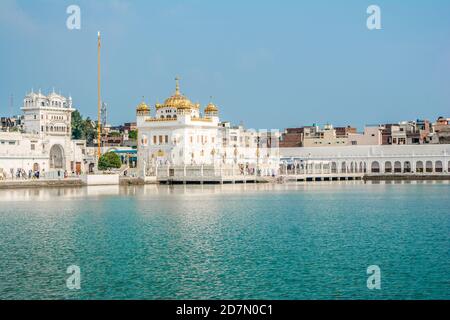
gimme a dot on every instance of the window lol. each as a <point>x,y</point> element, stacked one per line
<point>160,139</point>
<point>33,146</point>
<point>166,139</point>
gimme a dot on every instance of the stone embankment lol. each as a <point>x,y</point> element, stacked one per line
<point>41,183</point>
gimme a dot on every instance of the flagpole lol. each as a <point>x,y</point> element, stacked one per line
<point>98,99</point>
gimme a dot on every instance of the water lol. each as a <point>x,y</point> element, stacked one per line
<point>304,241</point>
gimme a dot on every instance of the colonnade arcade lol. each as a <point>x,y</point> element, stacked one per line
<point>366,166</point>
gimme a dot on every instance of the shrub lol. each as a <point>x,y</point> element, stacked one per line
<point>109,160</point>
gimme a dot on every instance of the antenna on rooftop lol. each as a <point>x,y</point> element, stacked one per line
<point>11,105</point>
<point>104,114</point>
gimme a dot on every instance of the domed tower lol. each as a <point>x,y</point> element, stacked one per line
<point>143,109</point>
<point>212,111</point>
<point>142,112</point>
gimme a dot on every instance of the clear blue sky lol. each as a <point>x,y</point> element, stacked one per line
<point>270,64</point>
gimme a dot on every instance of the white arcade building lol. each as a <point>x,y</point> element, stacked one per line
<point>45,145</point>
<point>179,135</point>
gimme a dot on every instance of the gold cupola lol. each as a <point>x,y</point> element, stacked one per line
<point>143,108</point>
<point>211,110</point>
<point>211,107</point>
<point>177,101</point>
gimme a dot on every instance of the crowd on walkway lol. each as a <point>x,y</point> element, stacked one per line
<point>21,174</point>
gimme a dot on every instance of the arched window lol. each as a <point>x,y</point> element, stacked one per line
<point>162,117</point>
<point>438,167</point>
<point>388,167</point>
<point>169,116</point>
<point>398,167</point>
<point>375,167</point>
<point>429,167</point>
<point>419,166</point>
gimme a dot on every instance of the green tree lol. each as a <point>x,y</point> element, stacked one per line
<point>90,131</point>
<point>109,160</point>
<point>84,129</point>
<point>77,126</point>
<point>132,135</point>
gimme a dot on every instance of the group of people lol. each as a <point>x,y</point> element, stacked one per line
<point>247,170</point>
<point>23,175</point>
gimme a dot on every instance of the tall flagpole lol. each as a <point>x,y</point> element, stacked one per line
<point>99,100</point>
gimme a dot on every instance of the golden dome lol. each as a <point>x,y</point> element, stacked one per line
<point>211,107</point>
<point>143,107</point>
<point>177,101</point>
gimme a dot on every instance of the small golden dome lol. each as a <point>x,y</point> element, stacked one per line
<point>143,107</point>
<point>211,107</point>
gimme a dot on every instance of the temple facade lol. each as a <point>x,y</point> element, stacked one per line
<point>178,133</point>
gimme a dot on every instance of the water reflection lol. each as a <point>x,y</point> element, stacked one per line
<point>49,194</point>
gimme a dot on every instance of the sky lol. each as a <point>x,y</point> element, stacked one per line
<point>268,64</point>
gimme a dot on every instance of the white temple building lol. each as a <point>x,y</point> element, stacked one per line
<point>179,136</point>
<point>45,145</point>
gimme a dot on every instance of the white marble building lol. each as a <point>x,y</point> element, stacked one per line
<point>369,160</point>
<point>178,134</point>
<point>45,145</point>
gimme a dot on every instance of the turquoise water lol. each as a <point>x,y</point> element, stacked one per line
<point>305,241</point>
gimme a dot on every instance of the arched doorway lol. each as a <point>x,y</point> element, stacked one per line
<point>388,167</point>
<point>429,167</point>
<point>398,167</point>
<point>344,167</point>
<point>57,160</point>
<point>375,167</point>
<point>419,166</point>
<point>407,167</point>
<point>438,167</point>
<point>333,167</point>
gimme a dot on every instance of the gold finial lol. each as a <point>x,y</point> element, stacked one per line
<point>177,86</point>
